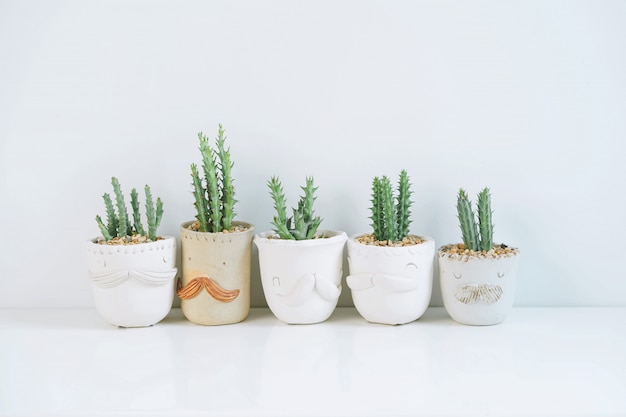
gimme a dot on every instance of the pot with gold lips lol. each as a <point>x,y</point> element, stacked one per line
<point>478,288</point>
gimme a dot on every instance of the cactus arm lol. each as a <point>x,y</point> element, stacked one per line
<point>159,214</point>
<point>484,220</point>
<point>315,224</point>
<point>389,212</point>
<point>112,220</point>
<point>280,222</point>
<point>209,166</point>
<point>103,229</point>
<point>228,192</point>
<point>121,208</point>
<point>299,230</point>
<point>376,209</point>
<point>403,206</point>
<point>154,217</point>
<point>469,229</point>
<point>307,201</point>
<point>200,200</point>
<point>134,203</point>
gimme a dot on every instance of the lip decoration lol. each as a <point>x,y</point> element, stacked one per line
<point>479,293</point>
<point>195,286</point>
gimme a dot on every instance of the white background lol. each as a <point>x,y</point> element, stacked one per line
<point>528,98</point>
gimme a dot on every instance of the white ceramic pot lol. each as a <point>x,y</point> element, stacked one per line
<point>215,283</point>
<point>133,285</point>
<point>391,285</point>
<point>478,290</point>
<point>301,279</point>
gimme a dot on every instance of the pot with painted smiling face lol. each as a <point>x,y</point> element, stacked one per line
<point>477,276</point>
<point>478,288</point>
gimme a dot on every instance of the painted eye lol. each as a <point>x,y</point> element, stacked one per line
<point>457,276</point>
<point>410,266</point>
<point>500,274</point>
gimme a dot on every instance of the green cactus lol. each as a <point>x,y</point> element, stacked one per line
<point>391,214</point>
<point>118,224</point>
<point>302,225</point>
<point>215,199</point>
<point>476,236</point>
<point>134,203</point>
<point>484,220</point>
<point>154,217</point>
<point>122,214</point>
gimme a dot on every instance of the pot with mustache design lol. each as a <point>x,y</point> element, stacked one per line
<point>215,285</point>
<point>391,285</point>
<point>478,288</point>
<point>133,285</point>
<point>301,279</point>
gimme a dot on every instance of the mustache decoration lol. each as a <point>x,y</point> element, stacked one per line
<point>211,286</point>
<point>104,279</point>
<point>478,293</point>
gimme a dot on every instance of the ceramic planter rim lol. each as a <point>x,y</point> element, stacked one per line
<point>425,238</point>
<point>271,238</point>
<point>250,228</point>
<point>515,251</point>
<point>163,239</point>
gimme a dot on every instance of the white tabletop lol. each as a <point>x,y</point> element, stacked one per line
<point>539,362</point>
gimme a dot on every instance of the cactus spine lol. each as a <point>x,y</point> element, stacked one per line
<point>118,224</point>
<point>390,214</point>
<point>302,225</point>
<point>215,198</point>
<point>476,236</point>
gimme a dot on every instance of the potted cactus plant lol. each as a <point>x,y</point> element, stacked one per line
<point>216,249</point>
<point>300,265</point>
<point>132,269</point>
<point>391,270</point>
<point>477,276</point>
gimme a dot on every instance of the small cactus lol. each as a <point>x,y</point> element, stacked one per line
<point>391,214</point>
<point>215,196</point>
<point>302,225</point>
<point>477,236</point>
<point>118,224</point>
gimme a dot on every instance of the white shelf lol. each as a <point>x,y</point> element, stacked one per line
<point>539,362</point>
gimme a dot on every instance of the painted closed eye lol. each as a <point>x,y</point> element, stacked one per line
<point>457,276</point>
<point>410,266</point>
<point>500,274</point>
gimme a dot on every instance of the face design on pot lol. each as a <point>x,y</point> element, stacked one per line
<point>476,285</point>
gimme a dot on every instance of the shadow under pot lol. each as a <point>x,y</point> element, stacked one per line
<point>478,289</point>
<point>301,279</point>
<point>391,285</point>
<point>215,285</point>
<point>133,285</point>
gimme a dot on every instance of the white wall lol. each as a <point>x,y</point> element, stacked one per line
<point>528,98</point>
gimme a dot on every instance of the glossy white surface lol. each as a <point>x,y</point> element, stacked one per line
<point>538,362</point>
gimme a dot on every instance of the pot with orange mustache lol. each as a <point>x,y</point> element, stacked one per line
<point>215,285</point>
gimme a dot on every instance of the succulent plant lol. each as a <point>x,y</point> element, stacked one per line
<point>391,214</point>
<point>476,236</point>
<point>302,225</point>
<point>118,223</point>
<point>215,196</point>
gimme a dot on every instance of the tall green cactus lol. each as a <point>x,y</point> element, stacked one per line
<point>118,224</point>
<point>303,224</point>
<point>476,236</point>
<point>484,220</point>
<point>390,213</point>
<point>215,197</point>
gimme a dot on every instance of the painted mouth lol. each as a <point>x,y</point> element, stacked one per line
<point>479,293</point>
